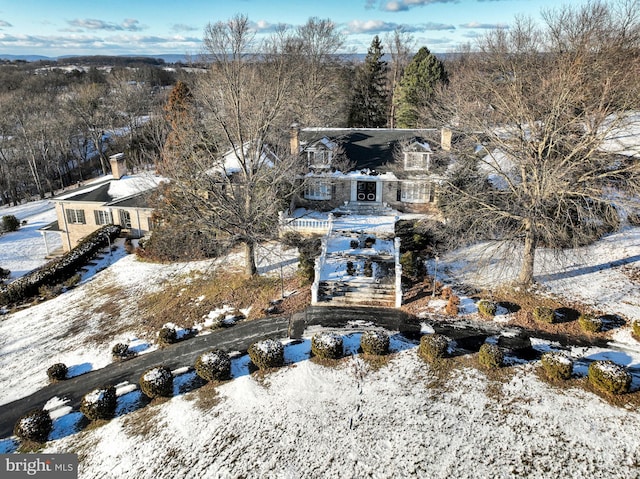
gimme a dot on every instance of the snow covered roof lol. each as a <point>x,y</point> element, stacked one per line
<point>231,159</point>
<point>109,191</point>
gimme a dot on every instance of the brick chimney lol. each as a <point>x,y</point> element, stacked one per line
<point>294,138</point>
<point>118,166</point>
<point>445,138</point>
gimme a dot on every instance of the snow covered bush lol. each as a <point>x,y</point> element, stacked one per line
<point>375,342</point>
<point>490,356</point>
<point>10,223</point>
<point>157,382</point>
<point>99,404</point>
<point>609,377</point>
<point>487,308</point>
<point>34,426</point>
<point>590,324</point>
<point>326,345</point>
<point>213,366</point>
<point>557,365</point>
<point>433,347</point>
<point>121,351</point>
<point>167,335</point>
<point>267,354</point>
<point>4,274</point>
<point>57,372</point>
<point>59,270</point>
<point>544,315</point>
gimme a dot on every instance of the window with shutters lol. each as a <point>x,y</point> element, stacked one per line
<point>75,217</point>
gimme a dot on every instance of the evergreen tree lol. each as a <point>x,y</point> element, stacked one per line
<point>368,107</point>
<point>421,77</point>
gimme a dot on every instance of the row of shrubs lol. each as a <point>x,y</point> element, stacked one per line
<point>215,365</point>
<point>605,375</point>
<point>59,270</point>
<point>542,314</point>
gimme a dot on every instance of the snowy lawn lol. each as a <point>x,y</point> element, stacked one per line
<point>24,250</point>
<point>353,420</point>
<point>349,419</point>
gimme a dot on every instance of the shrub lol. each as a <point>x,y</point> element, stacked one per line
<point>446,292</point>
<point>433,347</point>
<point>490,356</point>
<point>452,305</point>
<point>267,354</point>
<point>99,404</point>
<point>292,238</point>
<point>34,426</point>
<point>351,269</point>
<point>167,335</point>
<point>557,365</point>
<point>487,308</point>
<point>213,366</point>
<point>121,351</point>
<point>544,315</point>
<point>375,342</point>
<point>157,382</point>
<point>326,345</point>
<point>57,372</point>
<point>10,223</point>
<point>609,377</point>
<point>590,324</point>
<point>4,274</point>
<point>412,266</point>
<point>309,251</point>
<point>57,271</point>
<point>635,329</point>
<point>369,242</point>
<point>354,244</point>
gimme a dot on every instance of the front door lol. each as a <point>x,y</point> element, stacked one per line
<point>366,191</point>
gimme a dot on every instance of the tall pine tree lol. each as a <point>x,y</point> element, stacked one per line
<point>368,107</point>
<point>417,87</point>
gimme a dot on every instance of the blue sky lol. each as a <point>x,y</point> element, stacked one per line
<point>66,27</point>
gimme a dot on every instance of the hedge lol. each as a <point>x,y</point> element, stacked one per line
<point>60,269</point>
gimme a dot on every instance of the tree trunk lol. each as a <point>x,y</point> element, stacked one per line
<point>525,277</point>
<point>250,258</point>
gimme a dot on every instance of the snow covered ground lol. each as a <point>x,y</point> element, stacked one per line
<point>24,250</point>
<point>347,420</point>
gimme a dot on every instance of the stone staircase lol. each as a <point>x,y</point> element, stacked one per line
<point>362,293</point>
<point>354,208</point>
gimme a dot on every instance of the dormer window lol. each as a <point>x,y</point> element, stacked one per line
<point>417,156</point>
<point>320,154</point>
<point>319,158</point>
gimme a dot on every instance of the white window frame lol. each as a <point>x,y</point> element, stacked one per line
<point>103,217</point>
<point>417,160</point>
<point>315,189</point>
<point>319,157</point>
<point>75,216</point>
<point>415,191</point>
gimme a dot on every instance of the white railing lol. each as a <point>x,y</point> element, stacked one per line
<point>396,245</point>
<point>305,224</point>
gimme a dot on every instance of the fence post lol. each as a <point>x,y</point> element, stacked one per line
<point>396,244</point>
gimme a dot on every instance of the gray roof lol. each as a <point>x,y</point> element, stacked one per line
<point>371,148</point>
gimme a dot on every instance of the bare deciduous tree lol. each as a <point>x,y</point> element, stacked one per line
<point>239,106</point>
<point>541,106</point>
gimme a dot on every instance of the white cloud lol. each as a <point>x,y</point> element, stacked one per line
<point>379,26</point>
<point>4,24</point>
<point>128,24</point>
<point>404,5</point>
<point>486,26</point>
